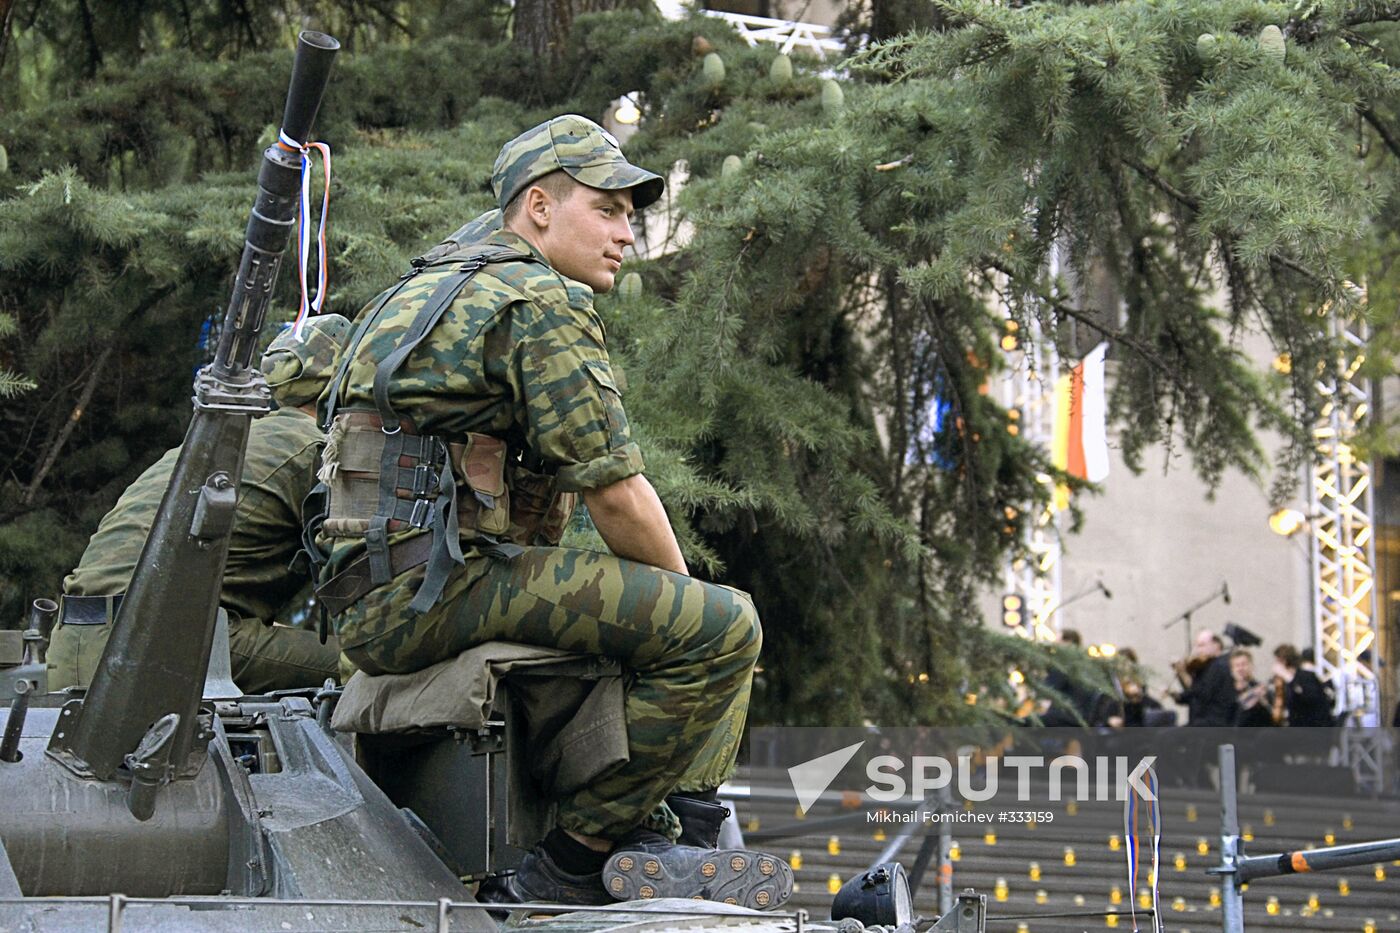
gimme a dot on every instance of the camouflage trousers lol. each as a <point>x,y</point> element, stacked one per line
<point>689,648</point>
<point>276,657</point>
<point>264,657</point>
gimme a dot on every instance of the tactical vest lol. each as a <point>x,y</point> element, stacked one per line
<point>381,476</point>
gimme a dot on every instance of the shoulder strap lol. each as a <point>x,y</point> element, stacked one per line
<point>472,231</point>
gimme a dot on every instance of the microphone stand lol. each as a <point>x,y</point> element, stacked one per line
<point>1185,616</point>
<point>1096,587</point>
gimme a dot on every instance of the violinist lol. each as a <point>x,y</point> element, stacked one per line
<point>1208,691</point>
<point>1137,705</point>
<point>1254,702</point>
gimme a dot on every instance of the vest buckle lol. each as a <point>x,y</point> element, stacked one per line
<point>422,513</point>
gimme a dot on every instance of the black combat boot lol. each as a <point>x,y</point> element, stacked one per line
<point>540,880</point>
<point>700,820</point>
<point>646,865</point>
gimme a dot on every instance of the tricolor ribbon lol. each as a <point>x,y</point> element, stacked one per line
<point>1131,833</point>
<point>310,305</point>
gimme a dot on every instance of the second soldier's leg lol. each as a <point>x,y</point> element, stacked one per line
<point>277,657</point>
<point>74,651</point>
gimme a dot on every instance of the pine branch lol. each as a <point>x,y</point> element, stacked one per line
<point>1383,131</point>
<point>99,368</point>
<point>1295,266</point>
<point>13,384</point>
<point>387,12</point>
<point>1310,27</point>
<point>1190,201</point>
<point>1145,351</point>
<point>1161,184</point>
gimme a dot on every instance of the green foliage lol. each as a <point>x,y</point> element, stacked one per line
<point>60,43</point>
<point>807,365</point>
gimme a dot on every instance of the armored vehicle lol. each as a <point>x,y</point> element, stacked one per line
<point>161,798</point>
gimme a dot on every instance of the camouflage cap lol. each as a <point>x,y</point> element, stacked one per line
<point>589,153</point>
<point>297,370</point>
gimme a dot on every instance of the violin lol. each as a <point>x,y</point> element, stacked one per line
<point>1188,669</point>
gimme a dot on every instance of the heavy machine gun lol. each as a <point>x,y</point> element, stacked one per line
<point>178,576</point>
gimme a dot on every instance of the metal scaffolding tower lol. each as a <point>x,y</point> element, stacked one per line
<point>1343,554</point>
<point>1033,574</point>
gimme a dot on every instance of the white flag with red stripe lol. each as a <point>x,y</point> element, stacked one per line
<point>1081,420</point>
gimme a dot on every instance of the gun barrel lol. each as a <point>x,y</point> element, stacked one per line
<point>274,210</point>
<point>310,72</point>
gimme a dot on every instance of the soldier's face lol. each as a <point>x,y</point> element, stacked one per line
<point>587,233</point>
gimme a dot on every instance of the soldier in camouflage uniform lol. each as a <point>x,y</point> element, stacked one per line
<point>502,374</point>
<point>278,472</point>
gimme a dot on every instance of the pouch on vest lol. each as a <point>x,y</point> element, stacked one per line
<point>383,480</point>
<point>539,513</point>
<point>356,448</point>
<point>480,464</point>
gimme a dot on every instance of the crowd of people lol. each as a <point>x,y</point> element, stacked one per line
<point>1220,688</point>
<point>1217,687</point>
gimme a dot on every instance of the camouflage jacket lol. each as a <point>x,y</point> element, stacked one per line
<point>278,472</point>
<point>519,355</point>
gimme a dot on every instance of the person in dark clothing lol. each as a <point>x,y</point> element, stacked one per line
<point>1253,700</point>
<point>1136,704</point>
<point>1307,700</point>
<point>1209,693</point>
<point>1084,702</point>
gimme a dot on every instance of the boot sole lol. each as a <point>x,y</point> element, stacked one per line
<point>730,876</point>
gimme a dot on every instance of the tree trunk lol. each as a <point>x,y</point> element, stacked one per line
<point>889,18</point>
<point>7,12</point>
<point>542,27</point>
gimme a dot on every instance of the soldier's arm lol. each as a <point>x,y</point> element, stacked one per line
<point>632,522</point>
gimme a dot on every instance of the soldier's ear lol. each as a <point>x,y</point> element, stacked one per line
<point>537,204</point>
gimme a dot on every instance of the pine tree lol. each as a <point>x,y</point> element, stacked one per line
<point>842,255</point>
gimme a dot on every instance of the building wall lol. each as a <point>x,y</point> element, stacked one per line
<point>1160,545</point>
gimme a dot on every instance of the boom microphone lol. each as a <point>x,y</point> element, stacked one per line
<point>1225,591</point>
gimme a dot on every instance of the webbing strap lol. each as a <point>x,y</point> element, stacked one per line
<point>314,508</point>
<point>377,534</point>
<point>428,316</point>
<point>447,549</point>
